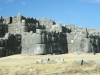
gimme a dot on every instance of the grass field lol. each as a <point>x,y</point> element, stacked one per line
<point>26,65</point>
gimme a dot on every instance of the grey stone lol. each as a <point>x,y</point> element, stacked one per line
<point>2,52</point>
<point>85,45</point>
<point>58,60</point>
<point>57,28</point>
<point>46,60</point>
<point>38,31</point>
<point>39,49</point>
<point>79,61</point>
<point>76,45</point>
<point>70,48</point>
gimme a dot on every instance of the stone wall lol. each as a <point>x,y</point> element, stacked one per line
<point>19,34</point>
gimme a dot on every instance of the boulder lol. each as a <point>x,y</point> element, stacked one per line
<point>59,60</point>
<point>79,61</point>
<point>46,60</point>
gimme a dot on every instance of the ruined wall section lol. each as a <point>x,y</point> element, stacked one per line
<point>44,36</point>
<point>17,28</point>
<point>47,23</point>
<point>3,27</point>
<point>32,43</point>
<point>56,27</point>
<point>18,24</point>
<point>78,41</point>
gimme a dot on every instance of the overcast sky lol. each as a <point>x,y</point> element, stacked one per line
<point>84,13</point>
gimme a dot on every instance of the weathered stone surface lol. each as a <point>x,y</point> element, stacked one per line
<point>85,45</point>
<point>57,28</point>
<point>2,52</point>
<point>46,60</point>
<point>60,60</point>
<point>28,35</point>
<point>79,61</point>
<point>40,49</point>
<point>70,48</point>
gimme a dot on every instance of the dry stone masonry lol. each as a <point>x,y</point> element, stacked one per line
<point>25,35</point>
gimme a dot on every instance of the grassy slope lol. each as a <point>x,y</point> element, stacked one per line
<point>20,64</point>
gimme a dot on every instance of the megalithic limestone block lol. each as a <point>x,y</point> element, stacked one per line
<point>70,48</point>
<point>70,36</point>
<point>53,39</point>
<point>97,45</point>
<point>35,37</point>
<point>76,45</point>
<point>2,52</point>
<point>48,51</point>
<point>58,47</point>
<point>17,40</point>
<point>44,38</point>
<point>50,38</point>
<point>54,47</point>
<point>6,43</point>
<point>40,49</point>
<point>18,50</point>
<point>85,45</point>
<point>2,43</point>
<point>29,42</point>
<point>47,37</point>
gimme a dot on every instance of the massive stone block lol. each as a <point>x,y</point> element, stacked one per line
<point>70,48</point>
<point>70,37</point>
<point>76,46</point>
<point>2,52</point>
<point>85,45</point>
<point>47,23</point>
<point>40,49</point>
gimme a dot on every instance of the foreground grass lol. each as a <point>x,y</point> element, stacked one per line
<point>24,65</point>
<point>65,68</point>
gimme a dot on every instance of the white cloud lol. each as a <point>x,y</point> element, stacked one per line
<point>23,3</point>
<point>0,8</point>
<point>92,1</point>
<point>8,1</point>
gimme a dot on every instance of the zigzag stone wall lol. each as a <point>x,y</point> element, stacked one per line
<point>24,35</point>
